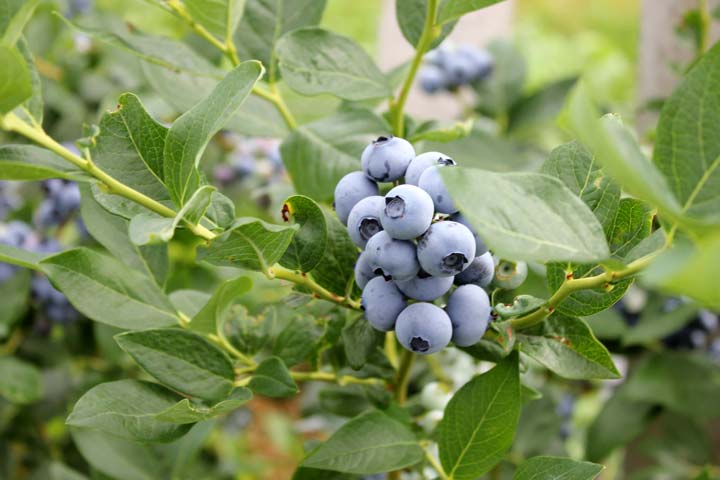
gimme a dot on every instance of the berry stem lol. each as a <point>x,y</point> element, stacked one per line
<point>429,33</point>
<point>318,376</point>
<point>277,271</point>
<point>403,376</point>
<point>435,464</point>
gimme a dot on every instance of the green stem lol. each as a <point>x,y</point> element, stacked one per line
<point>331,377</point>
<point>429,33</point>
<point>435,464</point>
<point>403,376</point>
<point>277,271</point>
<point>704,27</point>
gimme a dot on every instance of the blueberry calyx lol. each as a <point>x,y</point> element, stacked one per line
<point>447,161</point>
<point>454,262</point>
<point>368,227</point>
<point>419,344</point>
<point>394,207</point>
<point>382,139</point>
<point>379,271</point>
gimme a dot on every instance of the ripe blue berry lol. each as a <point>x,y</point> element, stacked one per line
<point>459,69</point>
<point>446,249</point>
<point>425,288</point>
<point>382,302</point>
<point>424,161</point>
<point>363,271</point>
<point>480,272</point>
<point>352,188</point>
<point>480,246</point>
<point>423,328</point>
<point>364,219</point>
<point>469,310</point>
<point>433,184</point>
<point>431,78</point>
<point>407,213</point>
<point>481,61</point>
<point>510,275</point>
<point>387,158</point>
<point>394,259</point>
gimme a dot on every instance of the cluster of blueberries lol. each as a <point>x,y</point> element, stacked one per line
<point>61,202</point>
<point>416,246</point>
<point>449,67</point>
<point>249,158</point>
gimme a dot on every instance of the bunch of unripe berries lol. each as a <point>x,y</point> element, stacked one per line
<point>416,247</point>
<point>449,67</point>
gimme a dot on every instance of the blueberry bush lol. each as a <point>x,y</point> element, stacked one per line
<point>452,301</point>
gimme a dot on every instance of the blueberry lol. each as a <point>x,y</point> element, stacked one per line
<point>469,310</point>
<point>425,288</point>
<point>407,213</point>
<point>16,234</point>
<point>352,188</point>
<point>382,302</point>
<point>480,246</point>
<point>480,272</point>
<point>510,275</point>
<point>446,249</point>
<point>6,272</point>
<point>424,161</point>
<point>431,181</point>
<point>364,219</point>
<point>387,158</point>
<point>423,328</point>
<point>459,68</point>
<point>481,61</point>
<point>394,259</point>
<point>68,200</point>
<point>363,271</point>
<point>432,79</point>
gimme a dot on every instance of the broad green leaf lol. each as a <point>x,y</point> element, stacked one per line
<point>454,9</point>
<point>14,14</point>
<point>615,148</point>
<point>186,411</point>
<point>567,346</point>
<point>249,333</point>
<point>498,94</point>
<point>32,110</point>
<point>182,360</point>
<point>129,147</point>
<point>15,79</point>
<point>30,163</point>
<point>687,150</point>
<point>317,155</point>
<point>686,270</point>
<point>539,109</point>
<point>451,133</point>
<point>410,15</point>
<point>575,166</point>
<point>20,382</point>
<point>214,314</point>
<point>272,379</point>
<point>190,134</point>
<point>480,420</point>
<point>189,302</point>
<point>250,243</point>
<point>650,244</point>
<point>685,382</point>
<point>265,21</point>
<point>310,241</point>
<point>359,341</point>
<point>127,408</point>
<point>297,340</point>
<point>147,228</point>
<point>111,231</point>
<point>336,270</point>
<point>521,305</point>
<point>304,473</point>
<point>15,292</point>
<point>220,17</point>
<point>108,291</point>
<point>655,323</point>
<point>527,216</point>
<point>20,257</point>
<point>369,444</point>
<point>618,423</point>
<point>538,468</point>
<point>221,210</point>
<point>315,61</point>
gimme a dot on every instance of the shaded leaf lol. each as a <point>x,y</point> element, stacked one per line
<point>30,163</point>
<point>309,243</point>
<point>20,382</point>
<point>547,468</point>
<point>272,379</point>
<point>186,411</point>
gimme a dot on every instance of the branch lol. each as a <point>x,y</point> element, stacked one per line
<point>403,376</point>
<point>318,290</point>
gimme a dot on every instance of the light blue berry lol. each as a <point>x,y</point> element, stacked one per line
<point>446,249</point>
<point>480,272</point>
<point>363,271</point>
<point>469,310</point>
<point>425,288</point>
<point>352,188</point>
<point>408,212</point>
<point>431,181</point>
<point>431,78</point>
<point>394,259</point>
<point>382,302</point>
<point>424,161</point>
<point>423,328</point>
<point>364,219</point>
<point>387,158</point>
<point>480,246</point>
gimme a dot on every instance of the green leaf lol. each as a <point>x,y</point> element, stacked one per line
<point>20,257</point>
<point>498,94</point>
<point>360,339</point>
<point>656,323</point>
<point>615,148</point>
<point>310,241</point>
<point>336,270</point>
<point>567,346</point>
<point>250,243</point>
<point>249,333</point>
<point>181,360</point>
<point>221,210</point>
<point>451,133</point>
<point>219,17</point>
<point>297,340</point>
<point>541,108</point>
<point>30,163</point>
<point>410,15</point>
<point>480,420</point>
<point>189,302</point>
<point>315,61</point>
<point>687,150</point>
<point>318,154</point>
<point>369,444</point>
<point>15,292</point>
<point>15,79</point>
<point>111,231</point>
<point>148,228</point>
<point>190,134</point>
<point>127,408</point>
<point>544,221</point>
<point>521,305</point>
<point>214,314</point>
<point>108,291</point>
<point>454,9</point>
<point>32,110</point>
<point>129,147</point>
<point>265,21</point>
<point>186,411</point>
<point>304,473</point>
<point>20,382</point>
<point>537,468</point>
<point>14,15</point>
<point>685,382</point>
<point>272,379</point>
